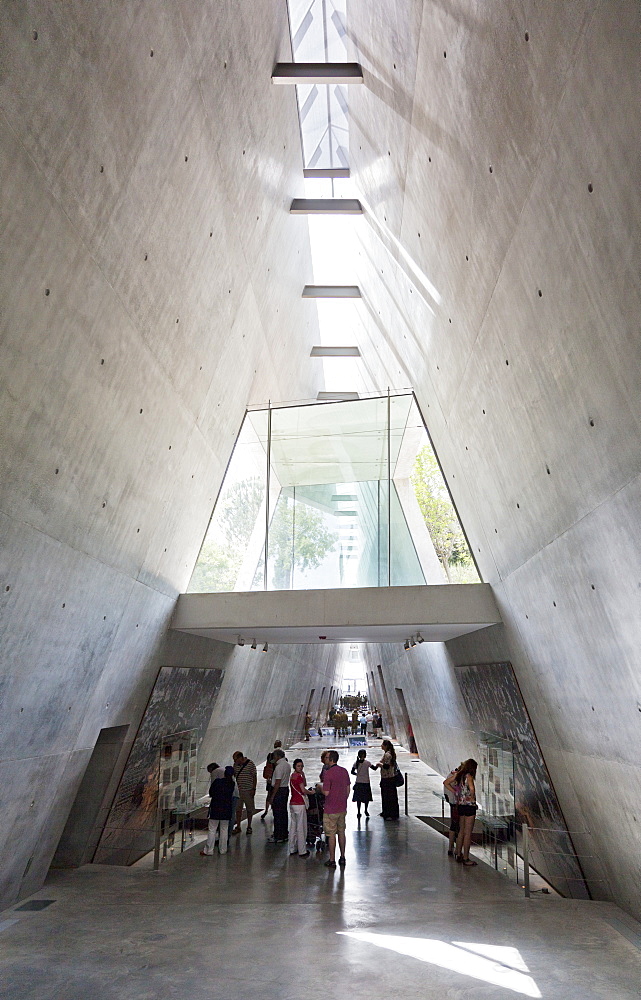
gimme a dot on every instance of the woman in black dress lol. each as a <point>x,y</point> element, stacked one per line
<point>362,786</point>
<point>389,793</point>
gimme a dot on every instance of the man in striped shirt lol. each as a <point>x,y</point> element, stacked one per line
<point>246,777</point>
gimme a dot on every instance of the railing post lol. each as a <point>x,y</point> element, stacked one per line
<point>526,859</point>
<point>407,811</point>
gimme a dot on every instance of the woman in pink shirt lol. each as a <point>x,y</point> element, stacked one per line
<point>298,811</point>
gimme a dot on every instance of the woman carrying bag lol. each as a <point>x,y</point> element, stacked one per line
<point>389,770</point>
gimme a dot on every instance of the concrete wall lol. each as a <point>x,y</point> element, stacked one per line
<point>496,149</point>
<point>150,288</point>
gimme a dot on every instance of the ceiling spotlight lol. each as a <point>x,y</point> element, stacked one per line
<point>419,637</point>
<point>265,648</point>
<point>241,641</point>
<point>412,643</point>
<point>253,646</point>
<point>406,644</point>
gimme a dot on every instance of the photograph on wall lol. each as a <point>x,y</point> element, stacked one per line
<point>182,699</point>
<point>495,705</point>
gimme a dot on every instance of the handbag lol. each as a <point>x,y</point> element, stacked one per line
<point>399,780</point>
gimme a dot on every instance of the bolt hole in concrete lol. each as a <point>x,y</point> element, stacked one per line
<point>57,471</point>
<point>102,169</point>
<point>540,293</point>
<point>592,423</point>
<point>34,35</point>
<point>8,588</point>
<point>590,188</point>
<point>47,291</point>
<point>491,171</point>
<point>527,36</point>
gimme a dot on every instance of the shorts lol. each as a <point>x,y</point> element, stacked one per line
<point>334,823</point>
<point>454,814</point>
<point>247,799</point>
<point>467,810</point>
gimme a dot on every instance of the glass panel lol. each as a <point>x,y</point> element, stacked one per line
<point>335,515</point>
<point>319,35</point>
<point>236,535</point>
<point>433,522</point>
<point>495,794</point>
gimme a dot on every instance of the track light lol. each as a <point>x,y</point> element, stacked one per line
<point>406,644</point>
<point>253,646</point>
<point>241,641</point>
<point>419,637</point>
<point>412,643</point>
<point>265,648</point>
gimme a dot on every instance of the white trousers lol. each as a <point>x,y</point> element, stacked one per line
<point>297,829</point>
<point>220,826</point>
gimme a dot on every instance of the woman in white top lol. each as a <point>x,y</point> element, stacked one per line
<point>362,787</point>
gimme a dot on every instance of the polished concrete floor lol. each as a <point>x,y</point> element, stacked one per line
<point>401,920</point>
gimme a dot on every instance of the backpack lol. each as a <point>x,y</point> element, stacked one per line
<point>268,771</point>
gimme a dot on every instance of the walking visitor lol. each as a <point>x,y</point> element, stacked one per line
<point>362,785</point>
<point>298,803</point>
<point>278,797</point>
<point>454,816</point>
<point>462,784</point>
<point>246,778</point>
<point>336,785</point>
<point>389,793</point>
<point>219,814</point>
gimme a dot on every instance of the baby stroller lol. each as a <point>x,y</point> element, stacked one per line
<point>315,835</point>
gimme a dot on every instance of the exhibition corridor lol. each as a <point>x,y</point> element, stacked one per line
<point>402,919</point>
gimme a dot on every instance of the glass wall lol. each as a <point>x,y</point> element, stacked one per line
<point>325,495</point>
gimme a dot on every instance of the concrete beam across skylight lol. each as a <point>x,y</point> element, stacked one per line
<point>335,352</point>
<point>331,292</point>
<point>326,206</point>
<point>325,397</point>
<point>323,72</point>
<point>330,173</point>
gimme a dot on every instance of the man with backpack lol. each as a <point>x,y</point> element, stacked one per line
<point>246,777</point>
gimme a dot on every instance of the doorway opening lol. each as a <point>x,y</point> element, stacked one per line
<point>91,806</point>
<point>407,725</point>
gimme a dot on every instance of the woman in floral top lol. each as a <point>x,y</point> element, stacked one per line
<point>389,794</point>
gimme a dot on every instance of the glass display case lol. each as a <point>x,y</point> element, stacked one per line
<point>495,796</point>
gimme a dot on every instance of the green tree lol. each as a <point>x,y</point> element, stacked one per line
<point>222,553</point>
<point>298,538</point>
<point>239,509</point>
<point>216,569</point>
<point>440,518</point>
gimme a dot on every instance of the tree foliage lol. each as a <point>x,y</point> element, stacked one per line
<point>440,517</point>
<point>298,539</point>
<point>234,519</point>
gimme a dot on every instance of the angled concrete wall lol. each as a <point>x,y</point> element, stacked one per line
<point>496,149</point>
<point>150,288</point>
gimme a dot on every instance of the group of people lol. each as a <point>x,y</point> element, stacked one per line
<point>360,722</point>
<point>233,788</point>
<point>460,791</point>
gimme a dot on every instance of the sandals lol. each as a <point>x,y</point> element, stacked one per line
<point>330,864</point>
<point>469,863</point>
